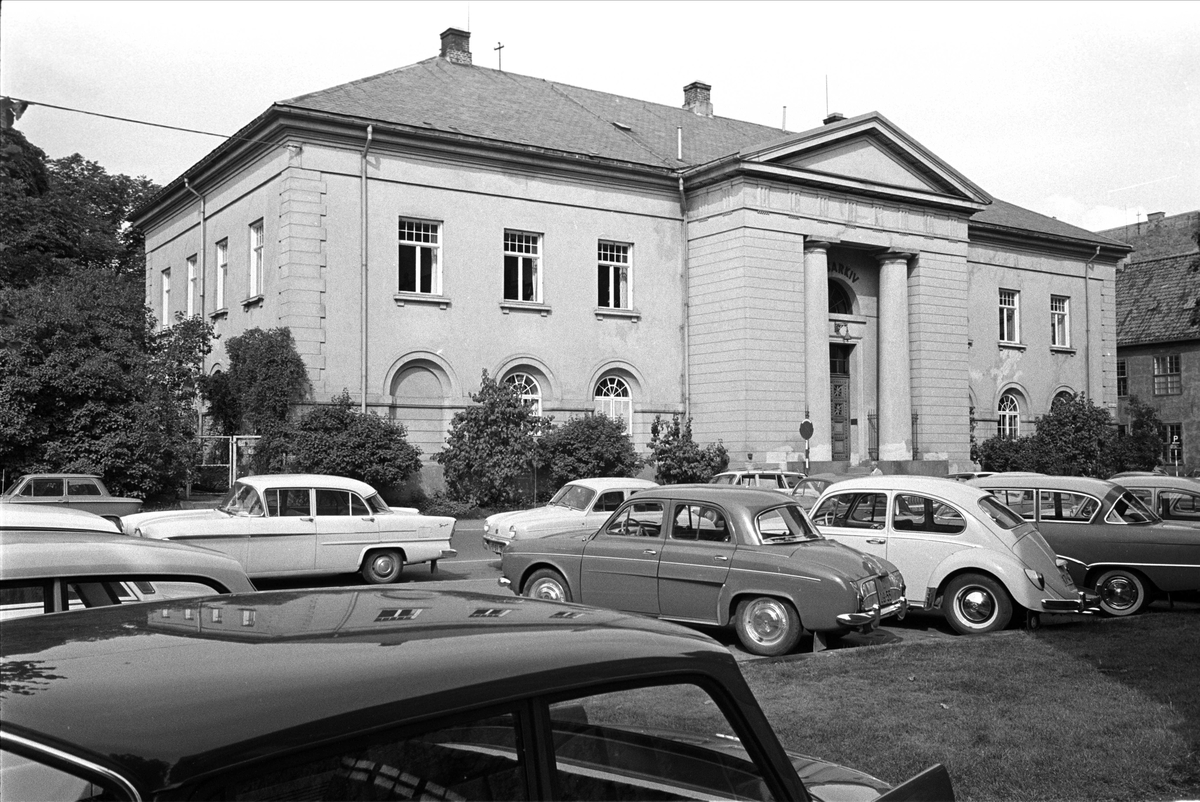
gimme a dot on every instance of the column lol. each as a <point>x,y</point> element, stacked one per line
<point>895,391</point>
<point>816,347</point>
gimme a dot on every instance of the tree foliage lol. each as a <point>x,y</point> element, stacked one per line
<point>337,439</point>
<point>588,446</point>
<point>490,445</point>
<point>678,458</point>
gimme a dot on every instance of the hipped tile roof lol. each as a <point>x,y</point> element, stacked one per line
<point>1159,300</point>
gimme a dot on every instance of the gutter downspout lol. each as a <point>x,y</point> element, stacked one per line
<point>1087,326</point>
<point>203,279</point>
<point>687,334</point>
<point>363,272</point>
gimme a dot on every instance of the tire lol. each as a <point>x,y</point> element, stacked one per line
<point>1122,592</point>
<point>767,626</point>
<point>974,604</point>
<point>382,567</point>
<point>549,585</point>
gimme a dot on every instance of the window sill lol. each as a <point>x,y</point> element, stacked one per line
<point>402,298</point>
<point>1011,346</point>
<point>253,300</point>
<point>218,314</point>
<point>603,312</point>
<point>507,306</point>
<point>1063,349</point>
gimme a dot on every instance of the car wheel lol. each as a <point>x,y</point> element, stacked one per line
<point>549,585</point>
<point>382,567</point>
<point>974,604</point>
<point>767,626</point>
<point>1122,592</point>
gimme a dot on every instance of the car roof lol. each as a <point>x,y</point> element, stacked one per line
<point>753,498</point>
<point>59,476</point>
<point>1039,481</point>
<point>828,477</point>
<point>37,517</point>
<point>265,480</point>
<point>32,555</point>
<point>760,472</point>
<point>610,482</point>
<point>1158,480</point>
<point>250,674</point>
<point>949,489</point>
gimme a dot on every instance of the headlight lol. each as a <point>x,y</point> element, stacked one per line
<point>1036,578</point>
<point>487,527</point>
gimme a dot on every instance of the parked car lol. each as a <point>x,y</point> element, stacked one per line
<point>1175,499</point>
<point>578,506</point>
<point>372,693</point>
<point>967,476</point>
<point>959,549</point>
<point>1112,542</point>
<point>34,518</point>
<point>811,487</point>
<point>307,525</point>
<point>714,555</point>
<point>770,480</point>
<point>78,491</point>
<point>48,571</point>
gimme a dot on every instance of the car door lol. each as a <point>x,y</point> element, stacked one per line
<point>284,540</point>
<point>922,532</point>
<point>694,563</point>
<point>857,519</point>
<point>1179,507</point>
<point>44,491</point>
<point>84,494</point>
<point>345,527</point>
<point>619,567</point>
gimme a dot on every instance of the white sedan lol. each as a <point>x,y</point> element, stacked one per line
<point>283,525</point>
<point>579,506</point>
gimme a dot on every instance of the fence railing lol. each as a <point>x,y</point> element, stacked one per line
<point>873,436</point>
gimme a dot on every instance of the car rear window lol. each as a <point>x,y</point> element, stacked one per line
<point>1002,515</point>
<point>1130,509</point>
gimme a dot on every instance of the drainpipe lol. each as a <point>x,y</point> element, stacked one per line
<point>203,277</point>
<point>363,272</point>
<point>683,260</point>
<point>1087,327</point>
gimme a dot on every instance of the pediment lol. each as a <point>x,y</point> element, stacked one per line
<point>864,160</point>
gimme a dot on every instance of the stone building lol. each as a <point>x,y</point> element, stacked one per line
<point>605,253</point>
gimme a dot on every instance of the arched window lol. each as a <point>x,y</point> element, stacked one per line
<point>1065,396</point>
<point>527,386</point>
<point>1008,424</point>
<point>612,398</point>
<point>839,300</point>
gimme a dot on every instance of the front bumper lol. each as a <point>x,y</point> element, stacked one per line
<point>869,619</point>
<point>1085,603</point>
<point>495,544</point>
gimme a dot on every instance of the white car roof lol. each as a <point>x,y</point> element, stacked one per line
<point>265,480</point>
<point>949,489</point>
<point>610,483</point>
<point>34,516</point>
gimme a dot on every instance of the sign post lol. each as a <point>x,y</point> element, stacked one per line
<point>806,431</point>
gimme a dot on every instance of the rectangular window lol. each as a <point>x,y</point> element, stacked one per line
<point>1122,379</point>
<point>612,285</point>
<point>1173,446</point>
<point>419,271</point>
<point>256,258</point>
<point>1060,321</point>
<point>1010,316</point>
<point>166,298</point>
<point>1167,379</point>
<point>191,286</point>
<point>222,271</point>
<point>522,260</point>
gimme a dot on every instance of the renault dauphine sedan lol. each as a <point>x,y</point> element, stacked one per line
<point>716,555</point>
<point>960,550</point>
<point>279,525</point>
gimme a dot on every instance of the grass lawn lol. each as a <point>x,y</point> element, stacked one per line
<point>1104,709</point>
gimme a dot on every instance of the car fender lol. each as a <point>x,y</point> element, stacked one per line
<point>1004,567</point>
<point>818,599</point>
<point>569,565</point>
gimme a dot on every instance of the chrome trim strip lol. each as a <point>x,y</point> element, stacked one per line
<point>775,574</point>
<point>67,757</point>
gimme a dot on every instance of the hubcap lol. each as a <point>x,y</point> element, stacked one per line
<point>767,622</point>
<point>1119,593</point>
<point>384,566</point>
<point>548,590</point>
<point>976,605</point>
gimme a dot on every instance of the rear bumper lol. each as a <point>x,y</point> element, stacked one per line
<point>1085,603</point>
<point>871,618</point>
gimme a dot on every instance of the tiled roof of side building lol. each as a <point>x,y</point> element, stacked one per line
<point>1159,301</point>
<point>1003,215</point>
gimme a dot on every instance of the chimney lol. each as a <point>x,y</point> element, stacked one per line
<point>697,99</point>
<point>456,46</point>
<point>834,117</point>
<point>1155,217</point>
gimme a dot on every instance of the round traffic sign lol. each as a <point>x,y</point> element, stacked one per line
<point>806,429</point>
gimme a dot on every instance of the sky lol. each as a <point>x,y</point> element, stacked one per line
<point>1085,111</point>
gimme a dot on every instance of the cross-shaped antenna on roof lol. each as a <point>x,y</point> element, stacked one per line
<point>499,55</point>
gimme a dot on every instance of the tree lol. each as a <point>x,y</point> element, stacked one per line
<point>337,439</point>
<point>678,458</point>
<point>1142,446</point>
<point>583,447</point>
<point>490,445</point>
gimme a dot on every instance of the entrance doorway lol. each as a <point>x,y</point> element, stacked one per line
<point>839,401</point>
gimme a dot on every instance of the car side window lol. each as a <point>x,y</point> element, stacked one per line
<point>869,511</point>
<point>641,519</point>
<point>82,487</point>
<point>921,514</point>
<point>45,487</point>
<point>833,510</point>
<point>609,501</point>
<point>333,502</point>
<point>699,522</point>
<point>358,506</point>
<point>1017,500</point>
<point>1177,505</point>
<point>1059,505</point>
<point>287,502</point>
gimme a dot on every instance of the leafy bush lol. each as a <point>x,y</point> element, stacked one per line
<point>588,446</point>
<point>678,458</point>
<point>339,440</point>
<point>441,504</point>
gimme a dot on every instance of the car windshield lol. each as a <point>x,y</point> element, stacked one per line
<point>241,500</point>
<point>1130,509</point>
<point>573,497</point>
<point>785,524</point>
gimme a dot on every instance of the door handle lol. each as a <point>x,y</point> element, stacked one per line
<point>367,518</point>
<point>721,558</point>
<point>876,541</point>
<point>307,518</point>
<point>650,552</point>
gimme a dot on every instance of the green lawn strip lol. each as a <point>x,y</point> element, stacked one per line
<point>1104,709</point>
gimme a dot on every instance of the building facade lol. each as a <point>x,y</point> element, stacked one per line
<point>419,227</point>
<point>1158,330</point>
